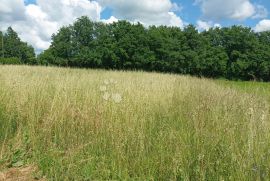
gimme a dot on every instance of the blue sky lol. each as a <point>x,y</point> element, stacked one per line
<point>36,20</point>
<point>191,13</point>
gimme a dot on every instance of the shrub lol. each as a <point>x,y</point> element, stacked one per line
<point>10,61</point>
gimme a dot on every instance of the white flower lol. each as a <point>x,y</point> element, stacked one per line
<point>263,116</point>
<point>250,111</point>
<point>111,81</point>
<point>116,98</point>
<point>103,88</point>
<point>106,96</point>
<point>106,82</point>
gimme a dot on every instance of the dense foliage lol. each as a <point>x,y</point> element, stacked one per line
<point>235,53</point>
<point>10,61</point>
<point>13,50</point>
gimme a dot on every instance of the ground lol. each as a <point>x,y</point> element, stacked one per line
<point>19,174</point>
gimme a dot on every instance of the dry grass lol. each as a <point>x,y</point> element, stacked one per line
<point>163,127</point>
<point>19,174</point>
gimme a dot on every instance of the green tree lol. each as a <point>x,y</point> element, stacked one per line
<point>232,52</point>
<point>15,48</point>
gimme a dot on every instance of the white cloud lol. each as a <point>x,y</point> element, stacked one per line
<point>206,25</point>
<point>245,10</point>
<point>147,12</point>
<point>66,11</point>
<point>176,7</point>
<point>11,10</point>
<point>217,25</point>
<point>261,12</point>
<point>263,25</point>
<point>230,9</point>
<point>203,25</point>
<point>111,20</point>
<point>175,20</point>
<point>36,23</point>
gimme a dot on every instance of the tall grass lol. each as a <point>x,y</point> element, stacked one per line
<point>165,127</point>
<point>257,88</point>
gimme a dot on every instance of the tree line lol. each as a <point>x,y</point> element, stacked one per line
<point>235,53</point>
<point>15,51</point>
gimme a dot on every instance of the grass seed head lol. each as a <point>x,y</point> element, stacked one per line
<point>106,96</point>
<point>103,88</point>
<point>117,98</point>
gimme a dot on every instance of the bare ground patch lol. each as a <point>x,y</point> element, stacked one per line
<point>19,174</point>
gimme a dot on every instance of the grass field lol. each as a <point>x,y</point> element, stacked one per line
<point>261,89</point>
<point>103,125</point>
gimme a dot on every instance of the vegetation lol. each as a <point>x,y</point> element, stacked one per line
<point>235,52</point>
<point>256,88</point>
<point>107,125</point>
<point>13,50</point>
<point>10,61</point>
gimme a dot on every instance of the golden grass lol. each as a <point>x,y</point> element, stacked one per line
<point>165,127</point>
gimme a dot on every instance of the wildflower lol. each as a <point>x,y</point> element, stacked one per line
<point>263,116</point>
<point>106,82</point>
<point>111,81</point>
<point>251,111</point>
<point>106,96</point>
<point>103,88</point>
<point>116,98</point>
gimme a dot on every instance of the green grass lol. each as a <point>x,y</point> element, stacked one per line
<point>261,89</point>
<point>166,127</point>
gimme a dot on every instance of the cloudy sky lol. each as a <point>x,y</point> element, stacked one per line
<point>36,20</point>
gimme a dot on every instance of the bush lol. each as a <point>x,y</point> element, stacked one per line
<point>10,61</point>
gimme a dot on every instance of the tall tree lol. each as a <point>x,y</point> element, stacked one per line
<point>14,47</point>
<point>232,52</point>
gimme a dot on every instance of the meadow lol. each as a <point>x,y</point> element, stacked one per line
<point>79,124</point>
<point>261,89</point>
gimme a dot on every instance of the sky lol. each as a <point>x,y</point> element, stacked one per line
<point>36,20</point>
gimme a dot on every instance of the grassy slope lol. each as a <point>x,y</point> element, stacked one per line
<point>256,88</point>
<point>166,127</point>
